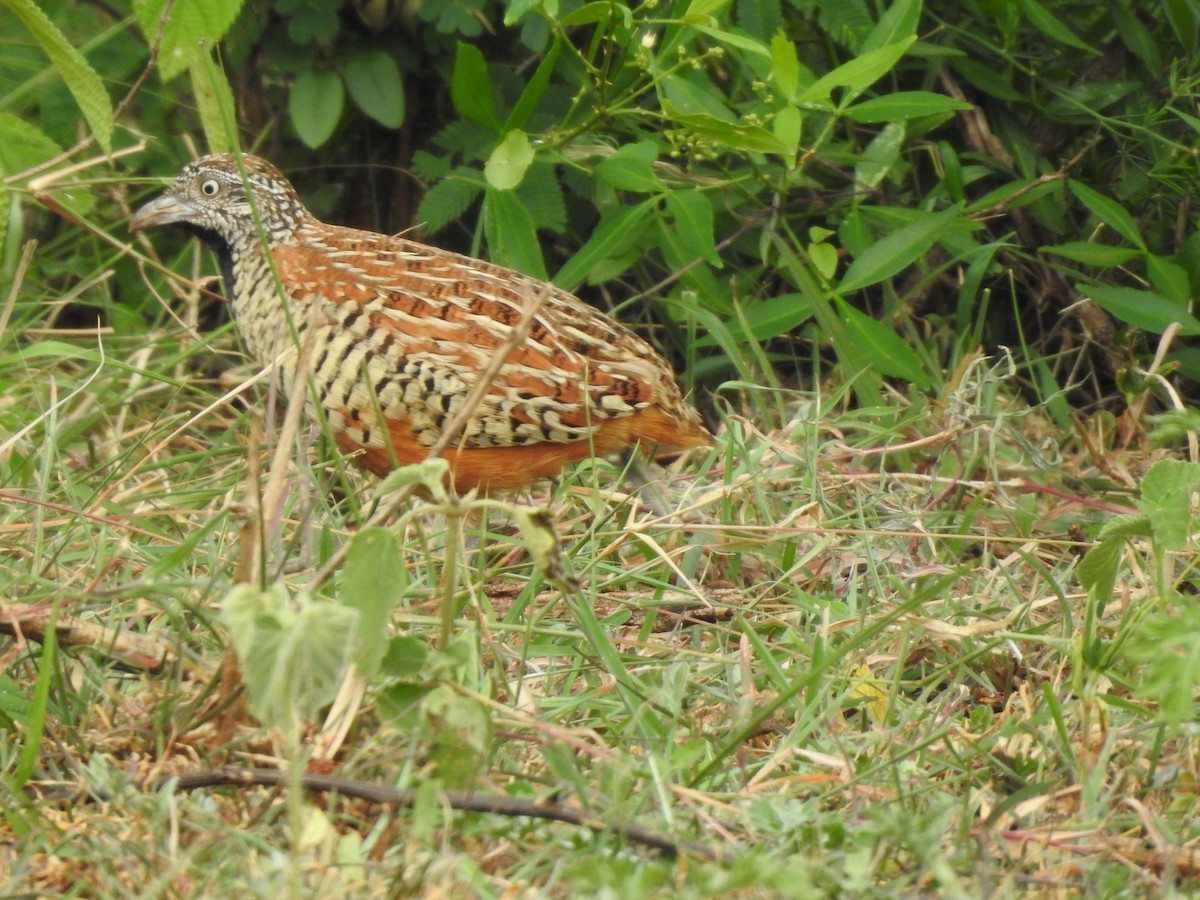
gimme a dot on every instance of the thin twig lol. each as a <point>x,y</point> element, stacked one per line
<point>464,801</point>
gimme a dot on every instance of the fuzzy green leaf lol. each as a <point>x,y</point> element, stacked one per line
<point>81,79</point>
<point>293,656</point>
<point>449,198</point>
<point>373,582</point>
<point>194,26</point>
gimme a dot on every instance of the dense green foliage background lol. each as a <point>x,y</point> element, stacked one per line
<point>886,185</point>
<point>927,266</point>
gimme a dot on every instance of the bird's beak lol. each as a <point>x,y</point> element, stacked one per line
<point>164,210</point>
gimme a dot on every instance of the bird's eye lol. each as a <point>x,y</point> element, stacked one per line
<point>210,187</point>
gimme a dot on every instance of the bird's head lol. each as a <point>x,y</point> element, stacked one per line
<point>215,198</point>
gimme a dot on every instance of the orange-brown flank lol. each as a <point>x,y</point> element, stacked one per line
<point>399,332</point>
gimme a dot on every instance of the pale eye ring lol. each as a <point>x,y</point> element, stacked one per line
<point>210,187</point>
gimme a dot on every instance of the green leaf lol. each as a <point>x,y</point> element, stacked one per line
<point>767,319</point>
<point>859,73</point>
<point>194,27</point>
<point>1090,254</point>
<point>881,155</point>
<point>631,168</point>
<point>511,235</point>
<point>471,88</point>
<point>373,582</point>
<point>1168,644</point>
<point>214,101</point>
<point>735,40</point>
<point>903,105</point>
<point>449,198</point>
<point>542,195</point>
<point>460,731</point>
<point>506,166</point>
<point>1109,212</point>
<point>1098,569</point>
<point>900,249</point>
<point>374,82</point>
<point>81,79</point>
<point>736,137</point>
<point>788,126</point>
<point>531,95</point>
<point>693,215</point>
<point>293,658</point>
<point>1169,278</point>
<point>785,66</point>
<point>315,105</point>
<point>898,22</point>
<point>1045,22</point>
<point>1167,493</point>
<point>1142,309</point>
<point>886,350</point>
<point>429,473</point>
<point>619,228</point>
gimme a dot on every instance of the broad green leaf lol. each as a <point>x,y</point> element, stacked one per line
<point>293,656</point>
<point>1098,569</point>
<point>899,250</point>
<point>81,79</point>
<point>429,473</point>
<point>618,230</point>
<point>1091,254</point>
<point>508,161</point>
<point>471,88</point>
<point>903,105</point>
<point>315,105</point>
<point>214,101</point>
<point>785,66</point>
<point>737,137</point>
<point>194,27</point>
<point>1110,212</point>
<point>693,215</point>
<point>858,74</point>
<point>631,168</point>
<point>887,351</point>
<point>374,580</point>
<point>1045,22</point>
<point>511,235</point>
<point>1143,309</point>
<point>1167,491</point>
<point>374,82</point>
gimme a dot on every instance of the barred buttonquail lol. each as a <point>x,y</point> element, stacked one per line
<point>408,327</point>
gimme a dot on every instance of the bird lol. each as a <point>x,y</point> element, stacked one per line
<point>397,332</point>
